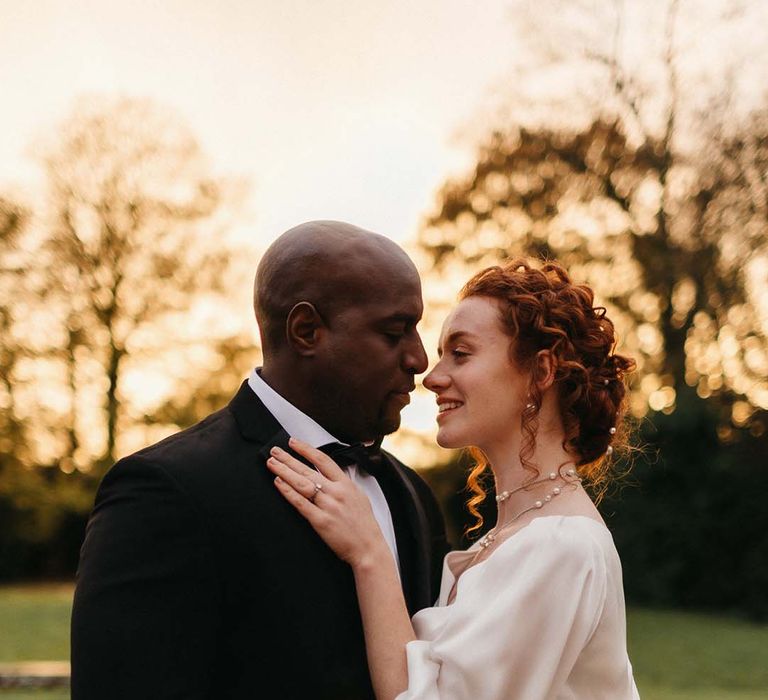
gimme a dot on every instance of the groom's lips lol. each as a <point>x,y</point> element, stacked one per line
<point>403,395</point>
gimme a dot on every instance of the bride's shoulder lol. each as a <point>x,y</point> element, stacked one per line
<point>558,553</point>
<point>567,528</point>
<point>564,526</point>
<point>577,539</point>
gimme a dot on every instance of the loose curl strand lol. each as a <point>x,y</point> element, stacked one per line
<point>542,309</point>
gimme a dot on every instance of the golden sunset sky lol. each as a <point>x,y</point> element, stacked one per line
<point>331,109</point>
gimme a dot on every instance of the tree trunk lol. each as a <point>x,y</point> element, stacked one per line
<point>113,403</point>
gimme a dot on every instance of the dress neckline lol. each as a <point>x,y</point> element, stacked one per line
<point>473,548</point>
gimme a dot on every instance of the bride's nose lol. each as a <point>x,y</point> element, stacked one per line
<point>436,380</point>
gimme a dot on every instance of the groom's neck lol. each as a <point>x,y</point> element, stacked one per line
<point>291,386</point>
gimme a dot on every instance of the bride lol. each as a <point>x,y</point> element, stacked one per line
<point>528,379</point>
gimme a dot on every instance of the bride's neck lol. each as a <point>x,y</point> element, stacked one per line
<point>510,474</point>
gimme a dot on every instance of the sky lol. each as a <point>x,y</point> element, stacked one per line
<point>332,109</point>
<point>335,109</point>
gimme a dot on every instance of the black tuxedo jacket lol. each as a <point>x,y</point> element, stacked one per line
<point>197,580</point>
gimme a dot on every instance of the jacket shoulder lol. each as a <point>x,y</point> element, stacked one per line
<point>200,438</point>
<point>195,459</point>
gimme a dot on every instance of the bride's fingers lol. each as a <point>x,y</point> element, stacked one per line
<point>305,486</point>
<point>292,463</point>
<point>325,465</point>
<point>305,507</point>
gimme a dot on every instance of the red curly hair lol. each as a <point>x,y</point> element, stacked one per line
<point>542,309</point>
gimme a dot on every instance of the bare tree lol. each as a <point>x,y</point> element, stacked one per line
<point>133,234</point>
<point>656,201</point>
<point>13,219</point>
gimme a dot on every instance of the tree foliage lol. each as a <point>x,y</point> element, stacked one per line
<point>111,292</point>
<point>134,237</point>
<point>672,236</point>
<point>13,218</point>
<point>662,207</point>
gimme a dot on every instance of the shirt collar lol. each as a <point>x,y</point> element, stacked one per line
<point>295,422</point>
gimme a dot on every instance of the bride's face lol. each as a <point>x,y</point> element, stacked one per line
<point>480,391</point>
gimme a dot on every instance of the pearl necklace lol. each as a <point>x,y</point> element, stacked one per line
<point>491,536</point>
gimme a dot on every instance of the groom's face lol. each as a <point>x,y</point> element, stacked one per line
<point>370,358</point>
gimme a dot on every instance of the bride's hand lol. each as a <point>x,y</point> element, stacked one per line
<point>338,511</point>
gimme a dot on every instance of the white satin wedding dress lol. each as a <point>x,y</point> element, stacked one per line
<point>542,618</point>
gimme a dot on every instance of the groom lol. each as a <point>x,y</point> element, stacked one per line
<point>196,578</point>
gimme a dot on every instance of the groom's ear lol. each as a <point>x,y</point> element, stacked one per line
<point>303,328</point>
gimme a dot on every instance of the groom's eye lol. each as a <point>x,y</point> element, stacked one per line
<point>395,333</point>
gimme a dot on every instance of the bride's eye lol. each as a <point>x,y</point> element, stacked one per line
<point>459,354</point>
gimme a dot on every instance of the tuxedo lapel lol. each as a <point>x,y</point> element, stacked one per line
<point>411,532</point>
<point>258,425</point>
<point>255,422</point>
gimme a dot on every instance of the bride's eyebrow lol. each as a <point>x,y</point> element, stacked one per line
<point>454,337</point>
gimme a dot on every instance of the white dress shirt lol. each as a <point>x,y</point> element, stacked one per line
<point>299,425</point>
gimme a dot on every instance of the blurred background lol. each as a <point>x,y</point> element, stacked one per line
<point>149,153</point>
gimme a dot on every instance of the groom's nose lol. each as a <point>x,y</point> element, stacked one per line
<point>415,357</point>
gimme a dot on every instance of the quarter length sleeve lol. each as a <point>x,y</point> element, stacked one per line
<point>518,623</point>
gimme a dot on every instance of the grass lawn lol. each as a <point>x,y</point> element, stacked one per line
<point>58,694</point>
<point>682,656</point>
<point>676,656</point>
<point>34,622</point>
<point>34,626</point>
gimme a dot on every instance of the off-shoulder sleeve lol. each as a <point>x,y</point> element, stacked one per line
<point>518,623</point>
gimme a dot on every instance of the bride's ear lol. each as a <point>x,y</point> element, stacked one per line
<point>544,368</point>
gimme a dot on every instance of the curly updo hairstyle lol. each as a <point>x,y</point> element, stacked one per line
<point>542,309</point>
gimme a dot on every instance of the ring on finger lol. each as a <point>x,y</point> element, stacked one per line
<point>318,489</point>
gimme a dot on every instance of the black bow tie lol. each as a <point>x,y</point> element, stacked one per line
<point>367,457</point>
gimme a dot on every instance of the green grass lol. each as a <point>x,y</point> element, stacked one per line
<point>34,620</point>
<point>676,656</point>
<point>59,694</point>
<point>682,656</point>
<point>656,693</point>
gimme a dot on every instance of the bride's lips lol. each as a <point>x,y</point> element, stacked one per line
<point>446,407</point>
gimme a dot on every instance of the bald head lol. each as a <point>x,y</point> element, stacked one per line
<point>329,264</point>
